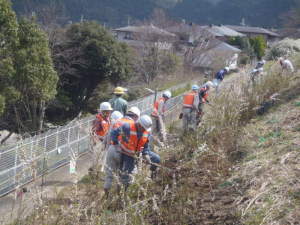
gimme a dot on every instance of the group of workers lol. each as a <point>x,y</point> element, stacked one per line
<point>286,66</point>
<point>126,134</point>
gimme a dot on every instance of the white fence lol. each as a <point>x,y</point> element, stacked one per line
<point>33,157</point>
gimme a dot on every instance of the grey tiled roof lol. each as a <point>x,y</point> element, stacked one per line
<point>223,31</point>
<point>184,28</point>
<point>145,29</point>
<point>256,30</point>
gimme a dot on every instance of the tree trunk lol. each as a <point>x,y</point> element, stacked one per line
<point>42,109</point>
<point>35,119</point>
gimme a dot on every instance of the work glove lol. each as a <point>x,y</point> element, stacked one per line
<point>147,159</point>
<point>180,116</point>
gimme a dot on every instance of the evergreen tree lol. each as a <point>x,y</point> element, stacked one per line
<point>88,56</point>
<point>28,79</point>
<point>8,41</point>
<point>35,77</point>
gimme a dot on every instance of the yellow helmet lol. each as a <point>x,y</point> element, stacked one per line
<point>119,91</point>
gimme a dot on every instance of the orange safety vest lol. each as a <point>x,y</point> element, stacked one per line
<point>188,99</point>
<point>132,144</point>
<point>204,96</point>
<point>101,125</point>
<point>156,106</point>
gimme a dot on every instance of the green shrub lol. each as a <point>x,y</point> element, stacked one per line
<point>259,45</point>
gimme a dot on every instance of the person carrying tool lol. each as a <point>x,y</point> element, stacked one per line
<point>117,102</point>
<point>158,116</point>
<point>219,77</point>
<point>190,109</point>
<point>286,65</point>
<point>203,98</point>
<point>114,153</point>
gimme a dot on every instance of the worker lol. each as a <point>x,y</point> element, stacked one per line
<point>117,102</point>
<point>260,64</point>
<point>219,77</point>
<point>286,65</point>
<point>190,109</point>
<point>133,137</point>
<point>158,117</point>
<point>99,131</point>
<point>102,122</point>
<point>255,73</point>
<point>203,98</point>
<point>114,118</point>
<point>117,136</point>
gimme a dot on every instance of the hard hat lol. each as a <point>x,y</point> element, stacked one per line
<point>105,106</point>
<point>119,91</point>
<point>116,115</point>
<point>167,94</point>
<point>227,68</point>
<point>146,122</point>
<point>134,110</point>
<point>263,61</point>
<point>209,84</point>
<point>195,87</point>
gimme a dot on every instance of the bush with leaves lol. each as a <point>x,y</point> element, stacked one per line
<point>259,45</point>
<point>88,56</point>
<point>8,41</point>
<point>28,79</point>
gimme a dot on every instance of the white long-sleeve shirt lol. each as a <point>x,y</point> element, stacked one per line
<point>287,64</point>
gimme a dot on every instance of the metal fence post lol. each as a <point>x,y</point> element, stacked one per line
<point>16,163</point>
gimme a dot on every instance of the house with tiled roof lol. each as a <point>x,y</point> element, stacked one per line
<point>137,36</point>
<point>256,31</point>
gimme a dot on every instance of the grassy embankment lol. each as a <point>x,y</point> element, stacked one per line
<point>217,176</point>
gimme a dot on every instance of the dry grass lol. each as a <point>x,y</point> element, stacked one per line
<point>197,187</point>
<point>271,170</point>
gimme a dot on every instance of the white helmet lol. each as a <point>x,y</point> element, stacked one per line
<point>167,94</point>
<point>146,122</point>
<point>227,68</point>
<point>116,115</point>
<point>134,110</point>
<point>263,61</point>
<point>195,87</point>
<point>209,84</point>
<point>105,106</point>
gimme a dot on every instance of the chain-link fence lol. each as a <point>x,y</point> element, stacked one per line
<point>44,153</point>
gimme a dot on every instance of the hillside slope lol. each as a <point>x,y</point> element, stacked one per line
<point>269,174</point>
<point>237,169</point>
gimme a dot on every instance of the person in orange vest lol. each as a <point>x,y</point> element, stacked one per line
<point>158,116</point>
<point>114,119</point>
<point>114,153</point>
<point>203,98</point>
<point>101,124</point>
<point>190,109</point>
<point>132,137</point>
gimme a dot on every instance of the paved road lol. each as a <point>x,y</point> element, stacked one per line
<point>53,183</point>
